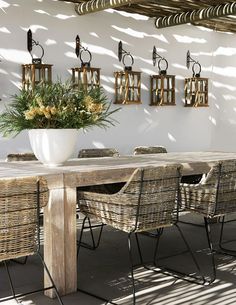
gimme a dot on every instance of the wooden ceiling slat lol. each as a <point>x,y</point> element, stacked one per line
<point>92,6</point>
<point>161,8</point>
<point>208,13</point>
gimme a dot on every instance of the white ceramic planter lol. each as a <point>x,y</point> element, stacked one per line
<point>53,147</point>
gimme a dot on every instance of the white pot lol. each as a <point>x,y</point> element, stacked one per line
<point>53,147</point>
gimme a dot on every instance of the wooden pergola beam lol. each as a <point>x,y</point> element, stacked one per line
<point>93,6</point>
<point>211,12</point>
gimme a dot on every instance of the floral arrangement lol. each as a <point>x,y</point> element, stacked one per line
<point>57,105</point>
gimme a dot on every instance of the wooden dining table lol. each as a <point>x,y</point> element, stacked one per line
<point>60,213</point>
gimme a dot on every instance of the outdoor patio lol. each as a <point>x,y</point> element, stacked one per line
<point>105,272</point>
<point>123,111</point>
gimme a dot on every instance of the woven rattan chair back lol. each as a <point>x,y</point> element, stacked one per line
<point>98,152</point>
<point>21,157</point>
<point>20,201</point>
<point>143,150</point>
<point>147,201</point>
<point>216,194</point>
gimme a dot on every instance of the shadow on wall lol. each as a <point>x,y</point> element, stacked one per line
<point>55,25</point>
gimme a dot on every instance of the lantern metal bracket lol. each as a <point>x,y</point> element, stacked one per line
<point>196,64</point>
<point>80,50</point>
<point>161,60</point>
<point>30,44</point>
<point>123,55</point>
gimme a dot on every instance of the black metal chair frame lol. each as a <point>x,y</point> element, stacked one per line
<point>95,244</point>
<point>16,296</point>
<point>177,274</point>
<point>207,226</point>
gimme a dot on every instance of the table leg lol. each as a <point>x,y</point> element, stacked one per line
<point>60,240</point>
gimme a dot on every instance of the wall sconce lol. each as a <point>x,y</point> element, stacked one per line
<point>162,85</point>
<point>36,72</point>
<point>196,87</point>
<point>127,82</point>
<point>85,75</point>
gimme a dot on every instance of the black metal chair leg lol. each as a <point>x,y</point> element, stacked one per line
<point>190,251</point>
<point>132,265</point>
<point>212,252</point>
<point>16,297</point>
<point>221,232</point>
<point>21,262</point>
<point>94,244</point>
<point>223,249</point>
<point>51,279</point>
<point>10,281</point>
<point>176,273</point>
<point>159,233</point>
<point>79,242</point>
<point>139,249</point>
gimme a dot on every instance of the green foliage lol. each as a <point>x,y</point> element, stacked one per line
<point>56,105</point>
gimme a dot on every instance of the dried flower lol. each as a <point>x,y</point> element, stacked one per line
<point>57,105</point>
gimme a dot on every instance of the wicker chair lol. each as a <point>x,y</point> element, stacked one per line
<point>98,152</point>
<point>21,157</point>
<point>20,203</point>
<point>108,188</point>
<point>146,202</point>
<point>213,197</point>
<point>142,150</point>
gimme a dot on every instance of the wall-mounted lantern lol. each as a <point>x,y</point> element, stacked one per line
<point>127,82</point>
<point>162,85</point>
<point>196,87</point>
<point>36,72</point>
<point>85,75</point>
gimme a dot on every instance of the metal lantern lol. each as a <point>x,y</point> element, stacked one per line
<point>162,85</point>
<point>127,82</point>
<point>85,75</point>
<point>36,72</point>
<point>196,87</point>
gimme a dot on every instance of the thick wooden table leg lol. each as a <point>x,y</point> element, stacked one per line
<point>60,240</point>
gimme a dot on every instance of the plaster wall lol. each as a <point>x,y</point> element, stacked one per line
<point>55,25</point>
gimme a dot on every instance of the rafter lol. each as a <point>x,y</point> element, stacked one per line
<point>211,12</point>
<point>92,6</point>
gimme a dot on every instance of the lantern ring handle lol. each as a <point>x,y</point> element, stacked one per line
<point>165,63</point>
<point>81,59</point>
<point>196,64</point>
<point>130,56</point>
<point>37,44</point>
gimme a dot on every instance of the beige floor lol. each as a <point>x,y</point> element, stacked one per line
<point>105,272</point>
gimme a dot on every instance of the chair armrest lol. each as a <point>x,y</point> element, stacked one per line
<point>198,197</point>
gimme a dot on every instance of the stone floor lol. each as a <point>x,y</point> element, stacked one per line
<point>105,272</point>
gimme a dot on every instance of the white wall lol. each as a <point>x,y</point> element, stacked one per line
<point>55,24</point>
